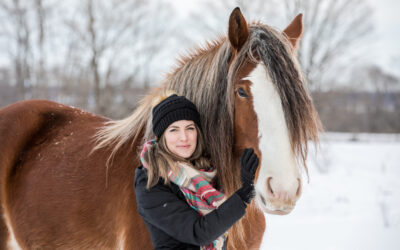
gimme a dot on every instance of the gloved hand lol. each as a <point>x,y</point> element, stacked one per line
<point>249,164</point>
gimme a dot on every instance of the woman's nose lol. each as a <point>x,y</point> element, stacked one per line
<point>183,136</point>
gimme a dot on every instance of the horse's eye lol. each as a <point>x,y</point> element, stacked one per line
<point>242,93</point>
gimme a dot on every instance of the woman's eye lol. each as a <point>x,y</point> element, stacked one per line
<point>191,128</point>
<point>172,130</point>
<point>242,93</point>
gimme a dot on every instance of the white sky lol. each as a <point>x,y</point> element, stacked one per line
<point>387,29</point>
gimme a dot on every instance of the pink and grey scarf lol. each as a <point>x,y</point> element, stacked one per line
<point>198,188</point>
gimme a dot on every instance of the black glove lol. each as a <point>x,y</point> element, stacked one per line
<point>249,164</point>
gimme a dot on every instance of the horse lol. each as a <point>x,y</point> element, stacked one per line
<point>66,175</point>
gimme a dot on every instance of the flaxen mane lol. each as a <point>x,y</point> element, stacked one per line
<point>202,78</point>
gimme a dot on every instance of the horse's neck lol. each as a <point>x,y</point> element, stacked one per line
<point>254,226</point>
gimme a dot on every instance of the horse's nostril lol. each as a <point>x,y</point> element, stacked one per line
<point>270,192</point>
<point>263,200</point>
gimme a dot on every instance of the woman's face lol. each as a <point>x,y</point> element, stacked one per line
<point>181,138</point>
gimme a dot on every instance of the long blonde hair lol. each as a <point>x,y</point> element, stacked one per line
<point>159,159</point>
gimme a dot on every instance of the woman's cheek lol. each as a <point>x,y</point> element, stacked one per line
<point>194,136</point>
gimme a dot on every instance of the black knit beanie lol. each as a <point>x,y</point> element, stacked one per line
<point>172,109</point>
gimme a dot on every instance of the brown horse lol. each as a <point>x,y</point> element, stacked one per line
<point>66,176</point>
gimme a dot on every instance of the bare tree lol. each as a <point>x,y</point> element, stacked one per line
<point>23,31</point>
<point>17,33</point>
<point>40,15</point>
<point>41,18</point>
<point>96,31</point>
<point>334,34</point>
<point>122,38</point>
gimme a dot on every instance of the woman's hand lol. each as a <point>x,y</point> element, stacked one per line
<point>249,164</point>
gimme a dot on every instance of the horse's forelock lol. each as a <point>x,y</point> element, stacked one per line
<point>273,49</point>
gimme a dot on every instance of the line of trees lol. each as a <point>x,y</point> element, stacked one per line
<point>370,102</point>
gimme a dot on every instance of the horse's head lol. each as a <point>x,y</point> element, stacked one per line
<point>272,111</point>
<point>250,93</point>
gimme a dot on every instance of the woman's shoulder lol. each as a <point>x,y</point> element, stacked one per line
<point>141,181</point>
<point>141,177</point>
<point>140,174</point>
<point>155,195</point>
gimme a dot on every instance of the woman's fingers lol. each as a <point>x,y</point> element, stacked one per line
<point>253,164</point>
<point>244,158</point>
<point>249,162</point>
<point>248,152</point>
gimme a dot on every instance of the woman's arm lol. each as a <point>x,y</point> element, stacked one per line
<point>160,207</point>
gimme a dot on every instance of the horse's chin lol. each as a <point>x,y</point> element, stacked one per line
<point>276,212</point>
<point>277,208</point>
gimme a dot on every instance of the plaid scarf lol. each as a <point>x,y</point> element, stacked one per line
<point>199,191</point>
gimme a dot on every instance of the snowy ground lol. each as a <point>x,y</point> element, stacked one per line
<point>352,200</point>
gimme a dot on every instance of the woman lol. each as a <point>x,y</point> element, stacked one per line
<point>175,192</point>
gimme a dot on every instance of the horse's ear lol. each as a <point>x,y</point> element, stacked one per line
<point>238,31</point>
<point>294,30</point>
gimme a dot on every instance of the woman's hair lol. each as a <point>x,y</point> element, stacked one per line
<point>159,159</point>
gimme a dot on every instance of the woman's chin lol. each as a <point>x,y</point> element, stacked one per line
<point>184,153</point>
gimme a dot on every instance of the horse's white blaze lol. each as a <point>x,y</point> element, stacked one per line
<point>12,242</point>
<point>278,160</point>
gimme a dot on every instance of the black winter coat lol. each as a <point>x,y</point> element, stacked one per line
<point>173,224</point>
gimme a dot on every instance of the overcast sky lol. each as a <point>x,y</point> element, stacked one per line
<point>387,34</point>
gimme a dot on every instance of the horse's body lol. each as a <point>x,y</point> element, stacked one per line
<point>54,196</point>
<point>58,193</point>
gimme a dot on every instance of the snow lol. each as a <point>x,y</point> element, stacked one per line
<point>351,202</point>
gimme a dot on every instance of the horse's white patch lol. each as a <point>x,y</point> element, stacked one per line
<point>278,160</point>
<point>121,241</point>
<point>12,242</point>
